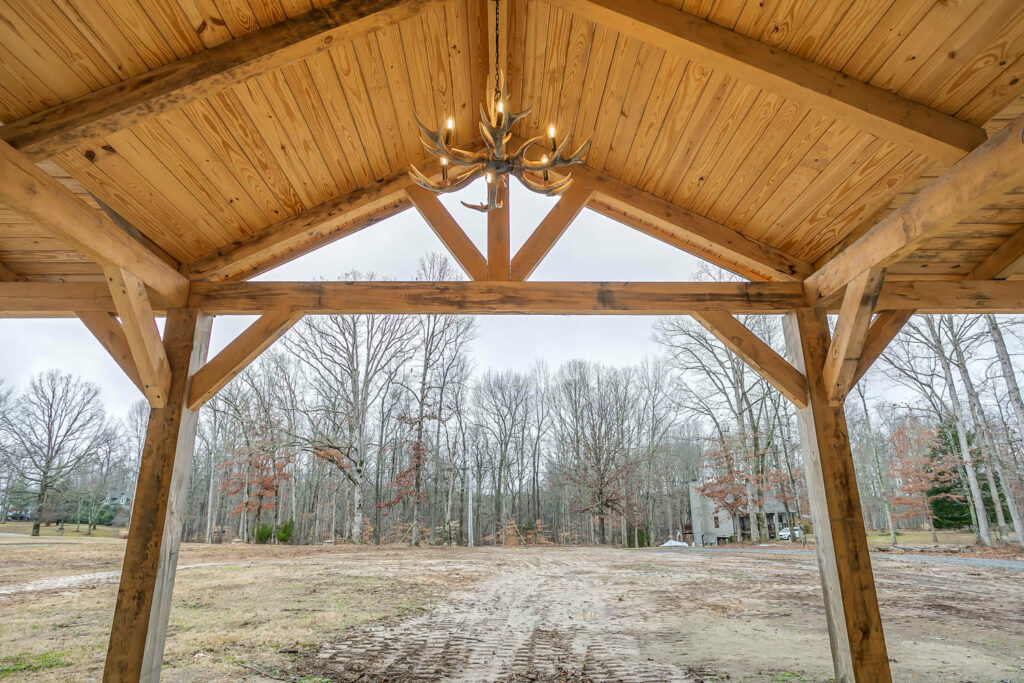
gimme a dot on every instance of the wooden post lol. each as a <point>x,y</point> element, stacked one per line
<point>136,647</point>
<point>499,266</point>
<point>851,605</point>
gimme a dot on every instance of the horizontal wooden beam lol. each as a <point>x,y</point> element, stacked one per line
<point>29,190</point>
<point>762,358</point>
<point>850,334</point>
<point>986,173</point>
<point>139,324</point>
<point>682,228</point>
<point>242,351</point>
<point>543,298</point>
<point>883,330</point>
<point>59,299</point>
<point>550,229</point>
<point>121,105</point>
<point>451,234</point>
<point>860,104</point>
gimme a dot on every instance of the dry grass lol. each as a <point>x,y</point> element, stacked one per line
<point>232,612</point>
<point>54,530</point>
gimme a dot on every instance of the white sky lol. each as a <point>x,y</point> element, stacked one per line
<point>593,248</point>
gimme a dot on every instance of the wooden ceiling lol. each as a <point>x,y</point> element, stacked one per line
<point>227,167</point>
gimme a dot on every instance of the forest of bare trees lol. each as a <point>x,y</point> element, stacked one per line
<point>380,429</point>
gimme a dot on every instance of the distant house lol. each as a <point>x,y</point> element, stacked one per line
<point>712,525</point>
<point>118,498</point>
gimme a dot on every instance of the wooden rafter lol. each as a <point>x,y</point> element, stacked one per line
<point>27,189</point>
<point>133,308</point>
<point>121,105</point>
<point>449,232</point>
<point>850,334</point>
<point>883,330</point>
<point>775,369</point>
<point>234,358</point>
<point>986,173</point>
<point>550,229</point>
<point>871,109</point>
<point>687,230</point>
<point>1005,262</point>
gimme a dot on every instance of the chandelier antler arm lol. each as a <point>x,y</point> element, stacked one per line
<point>557,159</point>
<point>454,185</point>
<point>433,142</point>
<point>551,189</point>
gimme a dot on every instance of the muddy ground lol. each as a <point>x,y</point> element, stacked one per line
<point>517,614</point>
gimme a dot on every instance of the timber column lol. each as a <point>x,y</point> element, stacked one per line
<point>135,651</point>
<point>851,605</point>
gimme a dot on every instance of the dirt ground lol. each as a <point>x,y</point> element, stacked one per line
<point>311,615</point>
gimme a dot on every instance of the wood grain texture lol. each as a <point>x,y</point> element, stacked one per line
<point>237,355</point>
<point>451,234</point>
<point>869,108</point>
<point>1006,261</point>
<point>883,330</point>
<point>549,230</point>
<point>775,369</point>
<point>139,628</point>
<point>850,333</point>
<point>851,604</point>
<point>986,173</point>
<point>126,103</point>
<point>34,193</point>
<point>139,324</point>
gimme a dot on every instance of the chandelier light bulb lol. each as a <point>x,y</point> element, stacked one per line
<point>444,168</point>
<point>490,177</point>
<point>450,123</point>
<point>544,173</point>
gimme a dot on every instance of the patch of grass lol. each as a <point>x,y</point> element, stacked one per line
<point>25,662</point>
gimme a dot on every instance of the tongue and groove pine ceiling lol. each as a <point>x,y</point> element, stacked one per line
<point>326,122</point>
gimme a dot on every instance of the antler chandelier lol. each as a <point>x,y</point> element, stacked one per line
<point>496,162</point>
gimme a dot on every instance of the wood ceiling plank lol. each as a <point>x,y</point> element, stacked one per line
<point>986,173</point>
<point>1004,262</point>
<point>874,110</point>
<point>23,186</point>
<point>400,91</point>
<point>666,85</point>
<point>93,115</point>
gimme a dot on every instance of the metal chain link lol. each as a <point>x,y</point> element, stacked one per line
<point>497,18</point>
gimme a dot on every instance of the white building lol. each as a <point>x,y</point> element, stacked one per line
<point>712,525</point>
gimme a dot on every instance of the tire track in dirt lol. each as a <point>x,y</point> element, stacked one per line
<point>560,621</point>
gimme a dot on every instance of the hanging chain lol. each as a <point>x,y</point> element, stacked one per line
<point>497,18</point>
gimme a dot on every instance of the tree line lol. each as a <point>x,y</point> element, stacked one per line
<point>379,429</point>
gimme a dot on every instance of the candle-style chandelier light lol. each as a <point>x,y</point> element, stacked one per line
<point>496,161</point>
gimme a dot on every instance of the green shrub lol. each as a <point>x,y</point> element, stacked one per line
<point>285,531</point>
<point>263,532</point>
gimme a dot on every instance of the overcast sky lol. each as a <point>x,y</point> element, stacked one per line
<point>593,248</point>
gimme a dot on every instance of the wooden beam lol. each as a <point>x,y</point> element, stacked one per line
<point>541,298</point>
<point>850,334</point>
<point>59,299</point>
<point>141,333</point>
<point>104,326</point>
<point>27,189</point>
<point>775,369</point>
<point>122,105</point>
<point>689,231</point>
<point>851,604</point>
<point>139,629</point>
<point>864,106</point>
<point>1006,261</point>
<point>961,296</point>
<point>883,330</point>
<point>986,173</point>
<point>449,232</point>
<point>550,229</point>
<point>499,261</point>
<point>290,238</point>
<point>111,336</point>
<point>237,355</point>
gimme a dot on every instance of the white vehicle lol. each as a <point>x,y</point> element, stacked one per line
<point>785,534</point>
